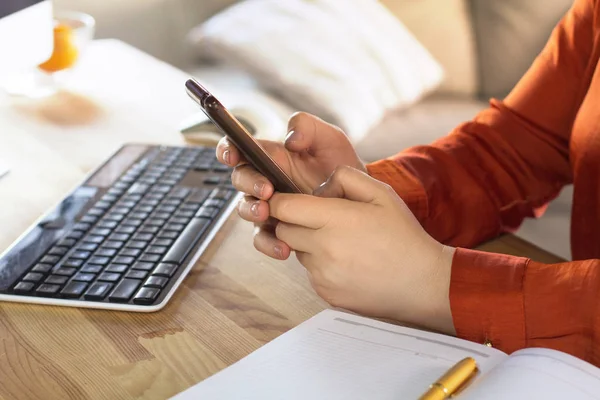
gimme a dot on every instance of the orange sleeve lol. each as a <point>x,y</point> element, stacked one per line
<point>515,303</point>
<point>506,164</point>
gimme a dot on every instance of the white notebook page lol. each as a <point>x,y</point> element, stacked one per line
<point>340,356</point>
<point>538,374</point>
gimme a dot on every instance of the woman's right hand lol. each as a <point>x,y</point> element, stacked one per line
<point>310,153</point>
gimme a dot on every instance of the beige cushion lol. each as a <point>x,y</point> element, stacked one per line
<point>444,28</point>
<point>510,34</point>
<point>420,124</point>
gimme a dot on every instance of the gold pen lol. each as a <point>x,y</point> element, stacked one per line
<point>451,381</point>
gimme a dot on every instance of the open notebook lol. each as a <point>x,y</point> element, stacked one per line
<point>336,355</point>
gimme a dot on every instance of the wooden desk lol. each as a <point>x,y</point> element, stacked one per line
<point>234,301</point>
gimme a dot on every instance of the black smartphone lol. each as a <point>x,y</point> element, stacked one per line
<point>241,138</point>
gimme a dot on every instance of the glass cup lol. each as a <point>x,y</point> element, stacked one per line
<point>72,33</point>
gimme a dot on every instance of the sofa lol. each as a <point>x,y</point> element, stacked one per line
<point>484,47</point>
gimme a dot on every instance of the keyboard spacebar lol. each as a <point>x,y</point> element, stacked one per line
<point>186,241</point>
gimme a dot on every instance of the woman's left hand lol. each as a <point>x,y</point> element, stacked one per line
<point>365,251</point>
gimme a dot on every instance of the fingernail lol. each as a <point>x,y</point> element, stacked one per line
<point>258,188</point>
<point>278,251</point>
<point>226,156</point>
<point>254,209</point>
<point>293,136</point>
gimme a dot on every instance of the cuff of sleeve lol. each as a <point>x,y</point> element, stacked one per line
<point>486,298</point>
<point>403,183</point>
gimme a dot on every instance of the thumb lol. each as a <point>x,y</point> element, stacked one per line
<point>352,184</point>
<point>310,133</point>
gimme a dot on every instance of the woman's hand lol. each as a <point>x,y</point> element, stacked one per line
<point>312,150</point>
<point>365,251</point>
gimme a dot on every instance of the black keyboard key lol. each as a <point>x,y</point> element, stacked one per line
<point>162,189</point>
<point>186,241</point>
<point>118,268</point>
<point>156,222</point>
<point>203,166</point>
<point>207,212</point>
<point>93,239</point>
<point>216,203</point>
<point>138,188</point>
<point>180,220</point>
<point>144,209</point>
<point>168,210</point>
<point>120,236</point>
<point>87,247</point>
<point>135,222</point>
<point>157,282</point>
<point>47,289</point>
<point>125,229</point>
<point>130,252</point>
<point>143,266</point>
<point>162,242</point>
<point>127,204</point>
<point>113,244</point>
<point>174,227</point>
<point>156,250</point>
<point>67,242</point>
<point>43,268</point>
<point>193,207</point>
<point>65,271</point>
<point>149,229</point>
<point>50,260</point>
<point>84,277</point>
<point>76,235</point>
<point>150,202</point>
<point>99,260</point>
<point>109,277</point>
<point>33,277</point>
<point>90,219</point>
<point>24,287</point>
<point>117,217</point>
<point>58,251</point>
<point>96,212</point>
<point>221,194</point>
<point>142,237</point>
<point>136,274</point>
<point>155,196</point>
<point>80,255</point>
<point>81,226</point>
<point>124,260</point>
<point>98,291</point>
<point>168,235</point>
<point>106,252</point>
<point>146,295</point>
<point>212,180</point>
<point>139,215</point>
<point>138,244</point>
<point>109,198</point>
<point>74,289</point>
<point>164,269</point>
<point>115,191</point>
<point>90,268</point>
<point>161,215</point>
<point>171,202</point>
<point>179,193</point>
<point>100,232</point>
<point>103,205</point>
<point>152,258</point>
<point>122,209</point>
<point>57,279</point>
<point>185,214</point>
<point>73,263</point>
<point>124,290</point>
<point>106,224</point>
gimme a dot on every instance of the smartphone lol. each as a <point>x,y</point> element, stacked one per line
<point>241,138</point>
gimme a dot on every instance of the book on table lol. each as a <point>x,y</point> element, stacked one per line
<point>336,355</point>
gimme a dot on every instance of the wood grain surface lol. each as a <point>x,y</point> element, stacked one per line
<point>234,300</point>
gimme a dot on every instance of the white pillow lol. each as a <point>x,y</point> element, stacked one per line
<point>347,62</point>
